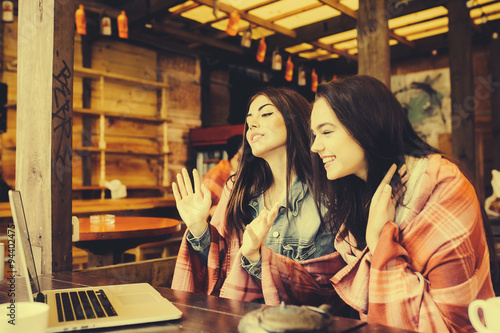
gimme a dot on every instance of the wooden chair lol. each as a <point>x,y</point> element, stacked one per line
<point>162,249</point>
<point>157,272</point>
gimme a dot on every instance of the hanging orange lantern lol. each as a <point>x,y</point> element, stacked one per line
<point>314,81</point>
<point>261,52</point>
<point>81,22</point>
<point>233,24</point>
<point>289,69</point>
<point>122,25</point>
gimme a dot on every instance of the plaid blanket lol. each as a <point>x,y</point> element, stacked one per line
<point>423,274</point>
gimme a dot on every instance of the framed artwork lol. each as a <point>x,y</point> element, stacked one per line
<point>427,101</point>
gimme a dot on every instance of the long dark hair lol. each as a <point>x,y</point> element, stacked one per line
<point>370,112</point>
<point>254,176</point>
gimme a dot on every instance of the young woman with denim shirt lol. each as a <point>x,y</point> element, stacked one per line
<point>266,222</point>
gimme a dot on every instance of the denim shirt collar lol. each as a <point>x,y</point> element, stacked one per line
<point>297,192</point>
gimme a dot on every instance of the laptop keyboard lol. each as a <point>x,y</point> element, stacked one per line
<point>78,305</point>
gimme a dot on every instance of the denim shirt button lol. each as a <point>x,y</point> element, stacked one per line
<point>282,210</point>
<point>276,234</point>
<point>254,204</point>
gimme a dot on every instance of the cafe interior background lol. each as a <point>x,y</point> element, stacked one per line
<point>168,93</point>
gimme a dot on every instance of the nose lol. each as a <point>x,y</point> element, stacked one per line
<point>253,122</point>
<point>316,146</point>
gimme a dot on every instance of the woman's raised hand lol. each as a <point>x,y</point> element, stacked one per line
<point>383,205</point>
<point>194,206</point>
<point>256,232</point>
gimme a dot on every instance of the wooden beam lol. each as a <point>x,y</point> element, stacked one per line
<point>348,11</point>
<point>313,32</point>
<point>250,18</point>
<point>162,28</point>
<point>44,127</point>
<point>332,49</point>
<point>462,84</point>
<point>373,40</point>
<point>341,8</point>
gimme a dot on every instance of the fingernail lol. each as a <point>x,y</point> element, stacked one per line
<point>387,188</point>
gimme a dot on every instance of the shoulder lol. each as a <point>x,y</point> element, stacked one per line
<point>443,178</point>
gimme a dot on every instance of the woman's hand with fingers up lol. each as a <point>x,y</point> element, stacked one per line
<point>383,205</point>
<point>193,206</point>
<point>256,232</point>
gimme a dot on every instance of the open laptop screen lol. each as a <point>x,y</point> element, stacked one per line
<point>23,243</point>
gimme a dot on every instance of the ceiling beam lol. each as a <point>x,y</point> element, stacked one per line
<point>313,32</point>
<point>354,14</point>
<point>250,18</point>
<point>332,49</point>
<point>341,8</point>
<point>165,29</point>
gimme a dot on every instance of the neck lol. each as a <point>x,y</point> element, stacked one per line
<point>277,191</point>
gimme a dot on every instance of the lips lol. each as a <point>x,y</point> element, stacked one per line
<point>254,137</point>
<point>328,160</point>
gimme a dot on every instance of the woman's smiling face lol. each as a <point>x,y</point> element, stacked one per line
<point>341,154</point>
<point>266,128</point>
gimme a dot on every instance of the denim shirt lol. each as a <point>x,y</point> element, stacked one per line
<point>299,237</point>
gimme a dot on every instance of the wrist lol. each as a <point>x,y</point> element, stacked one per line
<point>198,229</point>
<point>253,257</point>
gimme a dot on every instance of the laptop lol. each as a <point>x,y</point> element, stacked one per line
<point>87,307</point>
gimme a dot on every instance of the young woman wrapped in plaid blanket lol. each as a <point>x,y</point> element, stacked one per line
<point>416,243</point>
<point>266,224</point>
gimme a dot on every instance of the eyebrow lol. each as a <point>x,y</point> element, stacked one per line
<point>260,108</point>
<point>324,124</point>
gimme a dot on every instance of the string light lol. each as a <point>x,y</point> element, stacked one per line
<point>233,23</point>
<point>302,77</point>
<point>261,52</point>
<point>106,26</point>
<point>277,63</point>
<point>289,69</point>
<point>484,18</point>
<point>122,25</point>
<point>314,81</point>
<point>8,11</point>
<point>246,38</point>
<point>80,20</point>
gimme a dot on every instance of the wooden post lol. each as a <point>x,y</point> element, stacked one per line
<point>44,127</point>
<point>373,40</point>
<point>86,120</point>
<point>495,98</point>
<point>462,84</point>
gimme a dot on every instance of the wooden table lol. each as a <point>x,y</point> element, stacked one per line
<point>201,313</point>
<point>105,243</point>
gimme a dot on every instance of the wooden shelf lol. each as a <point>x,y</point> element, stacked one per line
<point>96,74</point>
<point>117,151</point>
<point>129,187</point>
<point>109,114</point>
<point>108,205</point>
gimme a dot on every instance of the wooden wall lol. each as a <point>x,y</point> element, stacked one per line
<point>124,102</point>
